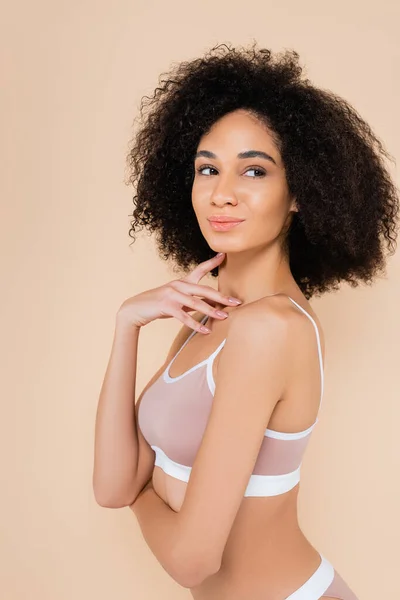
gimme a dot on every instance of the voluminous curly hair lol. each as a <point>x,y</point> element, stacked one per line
<point>348,205</point>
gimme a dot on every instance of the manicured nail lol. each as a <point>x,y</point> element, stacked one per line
<point>234,300</point>
<point>219,254</point>
<point>205,329</point>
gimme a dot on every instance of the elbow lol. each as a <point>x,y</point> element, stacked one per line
<point>107,501</point>
<point>109,495</point>
<point>111,503</point>
<point>191,573</point>
<point>195,578</point>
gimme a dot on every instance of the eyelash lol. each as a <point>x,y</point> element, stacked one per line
<point>200,170</point>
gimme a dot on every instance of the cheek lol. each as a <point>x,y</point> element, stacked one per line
<point>200,186</point>
<point>261,206</point>
<point>200,197</point>
<point>199,207</point>
<point>266,214</point>
<point>196,204</point>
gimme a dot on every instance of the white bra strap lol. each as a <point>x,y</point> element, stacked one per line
<point>214,354</point>
<point>321,364</point>
<point>189,338</point>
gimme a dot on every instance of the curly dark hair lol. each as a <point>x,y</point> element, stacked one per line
<point>348,205</point>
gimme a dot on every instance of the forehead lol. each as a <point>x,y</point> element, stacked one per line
<point>237,132</point>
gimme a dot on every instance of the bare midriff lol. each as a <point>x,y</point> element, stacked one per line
<point>267,556</point>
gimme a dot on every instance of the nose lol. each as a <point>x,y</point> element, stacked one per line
<point>223,192</point>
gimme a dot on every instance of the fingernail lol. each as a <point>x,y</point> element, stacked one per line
<point>219,254</point>
<point>234,300</point>
<point>205,329</point>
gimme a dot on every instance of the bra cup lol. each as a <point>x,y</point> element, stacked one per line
<point>173,416</point>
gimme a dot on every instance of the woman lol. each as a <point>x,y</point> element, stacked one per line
<point>241,156</point>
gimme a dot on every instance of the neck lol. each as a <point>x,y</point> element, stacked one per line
<point>255,273</point>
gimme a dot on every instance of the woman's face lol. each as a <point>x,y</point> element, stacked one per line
<point>252,188</point>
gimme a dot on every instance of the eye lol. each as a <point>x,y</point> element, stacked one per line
<point>203,167</point>
<point>257,170</point>
<point>261,172</point>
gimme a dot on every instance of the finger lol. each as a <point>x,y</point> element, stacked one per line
<point>203,268</point>
<point>194,303</point>
<point>208,292</point>
<point>211,302</point>
<point>183,316</point>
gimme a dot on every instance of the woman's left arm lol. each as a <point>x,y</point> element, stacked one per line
<point>252,377</point>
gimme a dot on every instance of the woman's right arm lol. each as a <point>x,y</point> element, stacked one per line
<point>116,440</point>
<point>120,475</point>
<point>123,460</point>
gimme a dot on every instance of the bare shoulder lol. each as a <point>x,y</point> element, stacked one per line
<point>279,313</point>
<point>269,309</point>
<point>304,326</point>
<point>257,323</point>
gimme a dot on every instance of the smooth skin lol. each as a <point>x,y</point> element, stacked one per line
<point>118,474</point>
<point>228,546</point>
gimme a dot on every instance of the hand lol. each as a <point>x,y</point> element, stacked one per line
<point>175,298</point>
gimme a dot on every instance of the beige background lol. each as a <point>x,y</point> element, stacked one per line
<point>73,75</point>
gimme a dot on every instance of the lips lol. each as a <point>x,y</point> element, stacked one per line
<point>224,225</point>
<point>224,219</point>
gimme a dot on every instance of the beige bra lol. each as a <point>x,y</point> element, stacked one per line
<point>173,415</point>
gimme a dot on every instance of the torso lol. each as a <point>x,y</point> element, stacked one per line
<point>266,543</point>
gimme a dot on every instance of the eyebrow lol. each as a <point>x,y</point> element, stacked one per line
<point>247,154</point>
